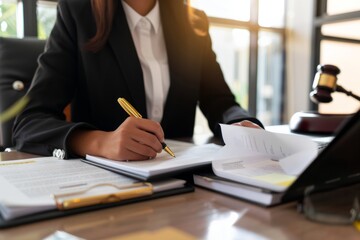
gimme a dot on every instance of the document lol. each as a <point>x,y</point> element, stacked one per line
<point>261,158</point>
<point>40,184</point>
<point>188,156</point>
<point>257,165</point>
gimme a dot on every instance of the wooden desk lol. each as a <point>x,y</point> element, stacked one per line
<point>202,214</point>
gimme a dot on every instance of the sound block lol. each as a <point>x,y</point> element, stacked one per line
<point>317,123</point>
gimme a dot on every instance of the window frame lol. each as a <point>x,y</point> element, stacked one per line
<point>30,17</point>
<point>254,28</point>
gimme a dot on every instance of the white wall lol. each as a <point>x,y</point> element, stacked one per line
<point>298,53</point>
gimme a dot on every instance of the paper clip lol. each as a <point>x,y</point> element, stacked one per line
<point>83,198</point>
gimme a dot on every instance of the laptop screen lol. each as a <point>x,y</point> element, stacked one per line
<point>336,165</point>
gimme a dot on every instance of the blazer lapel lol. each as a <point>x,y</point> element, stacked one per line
<point>174,30</point>
<point>121,42</point>
<point>177,47</point>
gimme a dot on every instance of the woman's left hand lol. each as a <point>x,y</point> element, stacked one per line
<point>247,123</point>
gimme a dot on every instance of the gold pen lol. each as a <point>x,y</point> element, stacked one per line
<point>132,112</point>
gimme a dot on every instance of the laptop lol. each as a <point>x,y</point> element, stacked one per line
<point>337,165</point>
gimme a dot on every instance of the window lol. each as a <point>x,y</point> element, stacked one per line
<point>9,18</point>
<point>19,18</point>
<point>227,9</point>
<point>337,41</point>
<point>46,14</point>
<point>248,39</point>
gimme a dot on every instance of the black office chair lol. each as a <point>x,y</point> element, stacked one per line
<point>18,62</point>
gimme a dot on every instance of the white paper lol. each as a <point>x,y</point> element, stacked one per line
<point>266,159</point>
<point>27,185</point>
<point>187,155</point>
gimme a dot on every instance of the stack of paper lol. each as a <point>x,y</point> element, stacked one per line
<point>257,165</point>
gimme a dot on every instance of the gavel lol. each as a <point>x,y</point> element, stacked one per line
<point>325,83</point>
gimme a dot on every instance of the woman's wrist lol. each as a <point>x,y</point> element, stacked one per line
<point>82,142</point>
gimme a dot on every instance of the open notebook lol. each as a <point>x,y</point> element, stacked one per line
<point>334,166</point>
<point>188,157</point>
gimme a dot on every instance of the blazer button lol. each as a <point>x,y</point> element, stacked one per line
<point>18,85</point>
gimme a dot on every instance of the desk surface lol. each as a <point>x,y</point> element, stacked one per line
<point>202,214</point>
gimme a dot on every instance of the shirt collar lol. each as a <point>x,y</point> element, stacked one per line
<point>133,17</point>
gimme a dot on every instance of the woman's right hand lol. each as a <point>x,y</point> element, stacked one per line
<point>134,139</point>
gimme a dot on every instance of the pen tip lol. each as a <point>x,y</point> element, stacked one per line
<point>168,150</point>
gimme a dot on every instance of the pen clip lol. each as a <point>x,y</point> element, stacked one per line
<point>78,199</point>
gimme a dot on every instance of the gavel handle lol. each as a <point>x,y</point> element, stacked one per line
<point>349,93</point>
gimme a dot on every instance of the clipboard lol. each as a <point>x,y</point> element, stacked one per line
<point>67,211</point>
<point>84,197</point>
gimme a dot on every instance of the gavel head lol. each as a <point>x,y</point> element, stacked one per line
<point>324,83</point>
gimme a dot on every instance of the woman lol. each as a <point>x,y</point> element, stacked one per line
<point>155,54</point>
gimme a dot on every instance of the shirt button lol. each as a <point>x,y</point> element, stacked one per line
<point>142,23</point>
<point>145,24</point>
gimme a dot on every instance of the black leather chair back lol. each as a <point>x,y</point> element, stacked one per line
<point>18,62</point>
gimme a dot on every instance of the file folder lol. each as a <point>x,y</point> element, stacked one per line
<point>53,188</point>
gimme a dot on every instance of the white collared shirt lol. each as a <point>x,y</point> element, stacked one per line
<point>148,36</point>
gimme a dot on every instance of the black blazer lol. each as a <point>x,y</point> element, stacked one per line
<point>92,82</point>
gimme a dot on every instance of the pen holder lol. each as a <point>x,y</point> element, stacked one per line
<point>332,206</point>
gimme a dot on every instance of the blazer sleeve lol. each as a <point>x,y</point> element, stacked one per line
<point>41,127</point>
